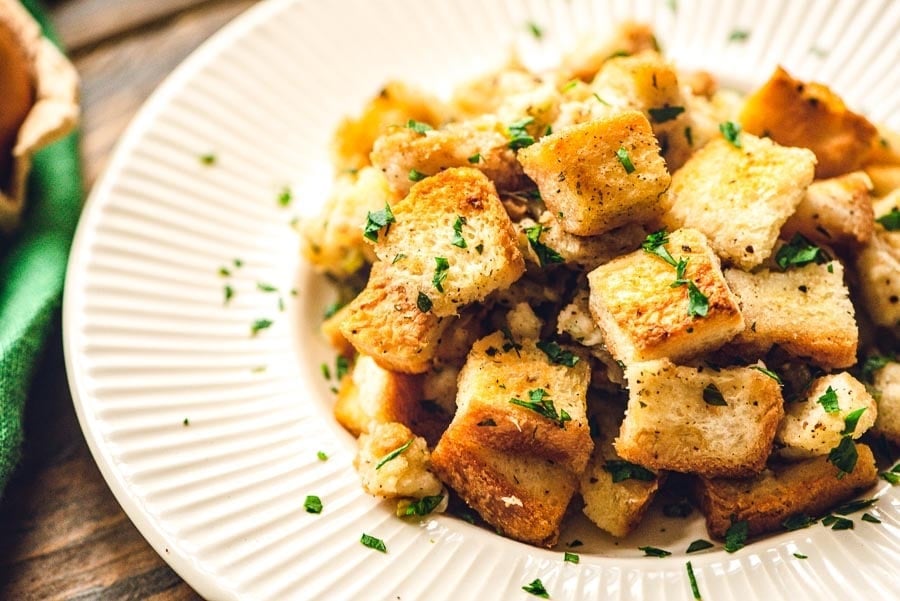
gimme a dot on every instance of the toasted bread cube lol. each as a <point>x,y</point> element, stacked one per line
<point>809,429</point>
<point>332,241</point>
<point>331,330</point>
<point>615,507</point>
<point>540,105</point>
<point>885,178</point>
<point>740,197</point>
<point>648,83</point>
<point>591,52</point>
<point>486,93</point>
<point>385,322</point>
<point>517,466</point>
<point>809,115</point>
<point>887,385</point>
<point>810,487</point>
<point>878,269</point>
<point>587,185</point>
<point>708,113</point>
<point>408,474</point>
<point>836,212</point>
<point>372,395</point>
<point>643,316</point>
<point>575,319</point>
<point>805,310</point>
<point>676,420</point>
<point>424,236</point>
<point>394,105</point>
<point>405,155</point>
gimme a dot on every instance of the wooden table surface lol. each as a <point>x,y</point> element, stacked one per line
<point>62,533</point>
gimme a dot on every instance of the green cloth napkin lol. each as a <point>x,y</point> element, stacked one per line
<point>32,270</point>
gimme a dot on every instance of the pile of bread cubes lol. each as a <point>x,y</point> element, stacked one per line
<point>564,287</point>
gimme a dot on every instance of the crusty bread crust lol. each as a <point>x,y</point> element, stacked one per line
<point>809,487</point>
<point>835,212</point>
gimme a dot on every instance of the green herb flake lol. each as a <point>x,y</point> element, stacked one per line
<point>798,252</point>
<point>622,470</point>
<point>423,302</point>
<point>394,454</point>
<point>341,367</point>
<point>689,135</point>
<point>797,522</point>
<point>518,134</point>
<point>868,517</point>
<point>891,221</point>
<point>655,245</point>
<point>186,422</point>
<point>543,406</point>
<point>259,325</point>
<point>665,113</point>
<point>416,176</point>
<point>731,131</point>
<point>844,456</point>
<point>571,557</point>
<point>736,536</point>
<point>312,504</point>
<point>570,85</point>
<point>854,506</point>
<point>840,523</point>
<point>423,506</point>
<point>892,476</point>
<point>536,588</point>
<point>458,239</point>
<point>398,257</point>
<point>698,303</point>
<point>695,590</point>
<point>545,254</point>
<point>699,545</point>
<point>285,196</point>
<point>557,354</point>
<point>224,272</point>
<point>264,287</point>
<point>373,543</point>
<point>602,101</point>
<point>442,267</point>
<point>769,373</point>
<point>418,126</point>
<point>322,455</point>
<point>479,248</point>
<point>829,401</point>
<point>326,371</point>
<point>654,552</point>
<point>332,308</point>
<point>851,420</point>
<point>229,293</point>
<point>535,30</point>
<point>625,160</point>
<point>475,158</point>
<point>377,220</point>
<point>208,159</point>
<point>738,35</point>
<point>713,396</point>
<point>872,364</point>
<point>801,556</point>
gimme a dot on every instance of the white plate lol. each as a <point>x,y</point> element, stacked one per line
<point>149,341</point>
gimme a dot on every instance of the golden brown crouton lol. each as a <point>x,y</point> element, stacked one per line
<point>648,83</point>
<point>809,115</point>
<point>739,197</point>
<point>331,330</point>
<point>878,266</point>
<point>386,473</point>
<point>836,212</point>
<point>406,156</point>
<point>807,488</point>
<point>599,175</point>
<point>643,316</point>
<point>815,425</point>
<point>702,421</point>
<point>394,105</point>
<point>485,93</point>
<point>887,385</point>
<point>591,52</point>
<point>452,241</point>
<point>885,178</point>
<point>805,310</point>
<point>519,439</point>
<point>616,494</point>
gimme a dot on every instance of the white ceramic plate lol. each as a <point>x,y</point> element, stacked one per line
<point>149,341</point>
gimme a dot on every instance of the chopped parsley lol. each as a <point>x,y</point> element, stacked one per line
<point>224,272</point>
<point>260,324</point>
<point>738,35</point>
<point>698,303</point>
<point>557,354</point>
<point>851,420</point>
<point>423,302</point>
<point>341,367</point>
<point>264,287</point>
<point>695,590</point>
<point>665,113</point>
<point>543,406</point>
<point>736,536</point>
<point>423,506</point>
<point>536,588</point>
<point>418,126</point>
<point>854,506</point>
<point>801,556</point>
<point>312,504</point>
<point>535,30</point>
<point>186,422</point>
<point>699,545</point>
<point>654,552</point>
<point>394,454</point>
<point>600,100</point>
<point>829,401</point>
<point>322,455</point>
<point>458,239</point>
<point>398,257</point>
<point>713,396</point>
<point>377,220</point>
<point>655,245</point>
<point>285,196</point>
<point>571,557</point>
<point>209,159</point>
<point>332,308</point>
<point>442,267</point>
<point>622,155</point>
<point>689,135</point>
<point>731,130</point>
<point>872,364</point>
<point>475,158</point>
<point>373,543</point>
<point>891,221</point>
<point>798,522</point>
<point>229,293</point>
<point>416,175</point>
<point>545,254</point>
<point>769,373</point>
<point>892,476</point>
<point>798,252</point>
<point>837,523</point>
<point>518,134</point>
<point>621,470</point>
<point>868,517</point>
<point>844,456</point>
